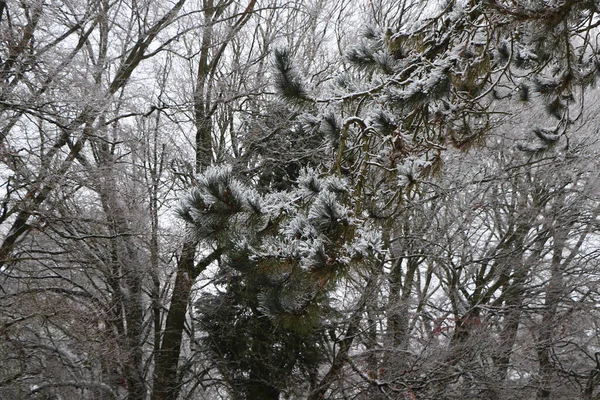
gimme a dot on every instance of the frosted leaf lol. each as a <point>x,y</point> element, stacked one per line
<point>345,260</point>
<point>438,78</point>
<point>548,136</point>
<point>410,170</point>
<point>326,207</point>
<point>367,242</point>
<point>384,122</point>
<point>279,203</point>
<point>308,122</point>
<point>385,61</point>
<point>435,84</point>
<point>305,248</point>
<point>330,125</point>
<point>215,175</point>
<point>317,256</point>
<point>361,54</point>
<point>309,182</point>
<point>235,194</point>
<point>253,201</point>
<point>240,243</point>
<point>525,55</point>
<point>343,84</point>
<point>218,191</point>
<point>371,32</point>
<point>276,247</point>
<point>546,85</point>
<point>300,228</point>
<point>531,147</point>
<point>189,208</point>
<point>288,82</point>
<point>336,184</point>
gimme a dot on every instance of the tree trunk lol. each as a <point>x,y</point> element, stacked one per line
<point>166,377</point>
<point>166,384</point>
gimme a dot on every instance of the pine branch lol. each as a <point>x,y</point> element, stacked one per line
<point>287,82</point>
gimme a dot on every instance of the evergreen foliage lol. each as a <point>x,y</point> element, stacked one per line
<point>283,253</point>
<point>442,77</point>
<point>287,81</point>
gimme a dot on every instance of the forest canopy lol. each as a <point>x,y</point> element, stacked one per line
<point>305,199</point>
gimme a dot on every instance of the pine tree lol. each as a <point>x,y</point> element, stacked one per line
<point>283,253</point>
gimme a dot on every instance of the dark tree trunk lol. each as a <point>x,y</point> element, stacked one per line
<point>166,377</point>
